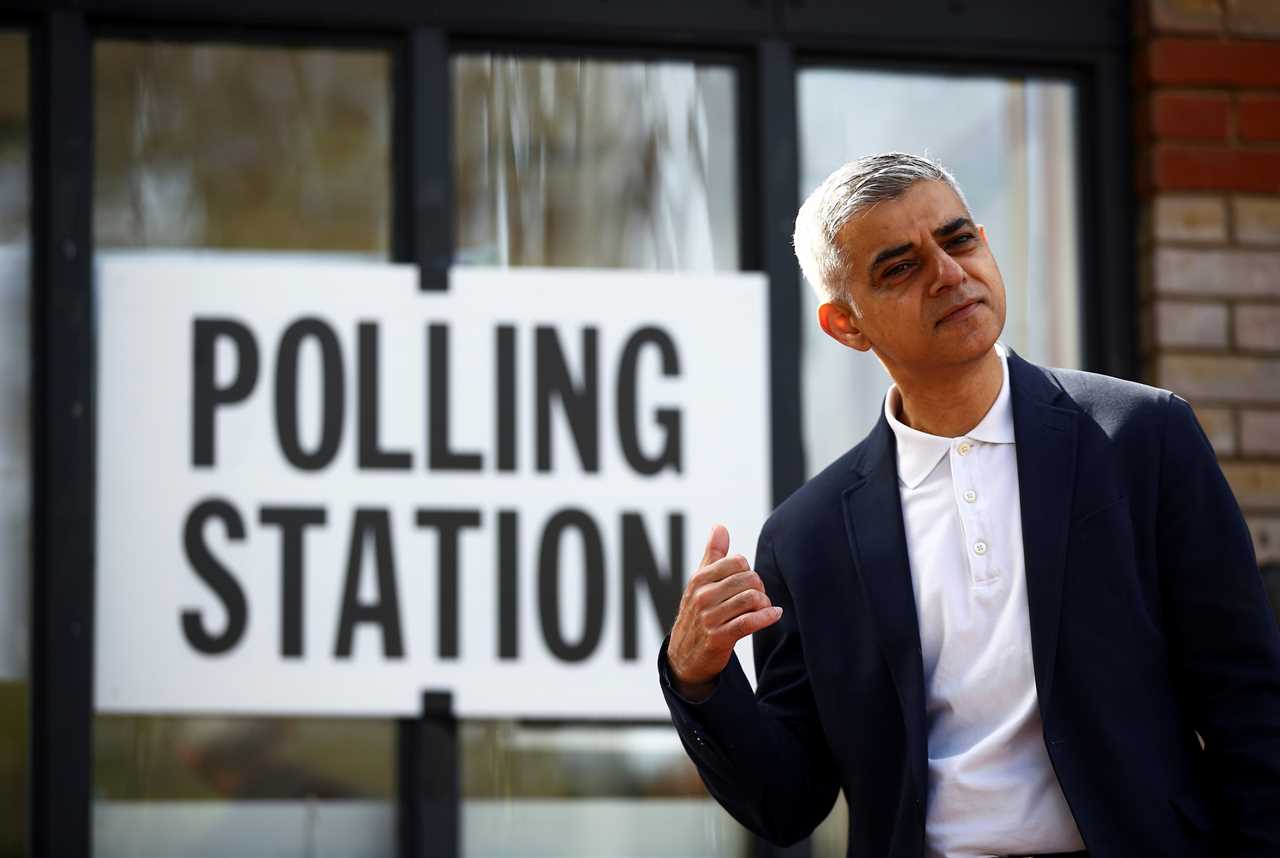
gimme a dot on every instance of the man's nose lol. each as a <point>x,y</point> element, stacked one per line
<point>949,273</point>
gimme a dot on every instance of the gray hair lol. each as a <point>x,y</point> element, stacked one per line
<point>849,191</point>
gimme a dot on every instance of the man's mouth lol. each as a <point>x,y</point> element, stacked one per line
<point>960,311</point>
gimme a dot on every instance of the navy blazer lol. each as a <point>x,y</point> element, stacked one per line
<point>1150,631</point>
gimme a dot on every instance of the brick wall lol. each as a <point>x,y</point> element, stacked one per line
<point>1208,132</point>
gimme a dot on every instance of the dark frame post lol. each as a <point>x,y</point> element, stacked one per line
<point>423,174</point>
<point>430,823</point>
<point>1109,310</point>
<point>776,150</point>
<point>63,437</point>
<point>778,160</point>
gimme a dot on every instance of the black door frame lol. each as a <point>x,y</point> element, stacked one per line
<point>1087,42</point>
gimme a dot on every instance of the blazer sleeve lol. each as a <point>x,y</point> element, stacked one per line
<point>762,755</point>
<point>1222,634</point>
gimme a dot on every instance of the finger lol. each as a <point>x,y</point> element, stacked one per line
<point>747,624</point>
<point>717,545</point>
<point>740,603</point>
<point>721,570</point>
<point>722,591</point>
<point>710,596</point>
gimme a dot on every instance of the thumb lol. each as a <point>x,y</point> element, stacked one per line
<point>717,545</point>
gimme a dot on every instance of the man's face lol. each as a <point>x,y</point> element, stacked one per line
<point>926,289</point>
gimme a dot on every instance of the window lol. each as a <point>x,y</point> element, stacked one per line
<point>576,162</point>
<point>1010,143</point>
<point>212,148</point>
<point>654,137</point>
<point>595,164</point>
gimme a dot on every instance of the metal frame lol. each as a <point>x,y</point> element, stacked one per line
<point>61,106</point>
<point>423,201</point>
<point>766,41</point>
<point>430,812</point>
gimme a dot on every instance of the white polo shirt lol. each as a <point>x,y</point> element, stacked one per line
<point>992,789</point>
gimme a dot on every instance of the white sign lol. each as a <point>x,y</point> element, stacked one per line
<point>322,490</point>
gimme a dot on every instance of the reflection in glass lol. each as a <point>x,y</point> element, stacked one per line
<point>243,758</point>
<point>595,164</point>
<point>243,786</point>
<point>633,791</point>
<point>15,452</point>
<point>1010,143</point>
<point>239,148</point>
<point>608,165</point>
<point>228,147</point>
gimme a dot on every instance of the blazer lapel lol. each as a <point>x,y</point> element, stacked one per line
<point>877,540</point>
<point>1046,454</point>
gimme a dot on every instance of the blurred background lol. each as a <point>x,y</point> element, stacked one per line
<point>1123,157</point>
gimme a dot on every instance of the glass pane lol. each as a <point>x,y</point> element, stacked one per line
<point>15,450</point>
<point>242,148</point>
<point>595,164</point>
<point>608,165</point>
<point>1010,143</point>
<point>232,149</point>
<point>588,792</point>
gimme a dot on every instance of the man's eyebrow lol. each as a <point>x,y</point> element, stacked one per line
<point>884,255</point>
<point>952,226</point>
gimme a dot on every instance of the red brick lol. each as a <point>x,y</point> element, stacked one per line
<point>1255,17</point>
<point>1144,180</point>
<point>1188,168</point>
<point>1202,378</point>
<point>1258,326</point>
<point>1260,432</point>
<point>1219,424</point>
<point>1257,219</point>
<point>1259,117</point>
<point>1266,538</point>
<point>1142,134</point>
<point>1212,273</point>
<point>1140,61</point>
<point>1256,485</point>
<point>1193,324</point>
<point>1208,62</point>
<point>1196,16</point>
<point>1203,116</point>
<point>1190,217</point>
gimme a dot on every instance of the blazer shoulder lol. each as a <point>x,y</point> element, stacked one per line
<point>1114,404</point>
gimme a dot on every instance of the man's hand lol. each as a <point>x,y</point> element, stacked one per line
<point>723,602</point>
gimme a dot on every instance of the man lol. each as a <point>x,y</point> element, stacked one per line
<point>1021,617</point>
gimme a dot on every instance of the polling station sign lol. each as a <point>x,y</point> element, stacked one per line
<point>322,490</point>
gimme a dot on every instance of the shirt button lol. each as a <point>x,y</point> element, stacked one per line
<point>979,547</point>
<point>971,496</point>
<point>964,448</point>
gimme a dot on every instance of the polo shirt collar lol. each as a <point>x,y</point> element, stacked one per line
<point>919,452</point>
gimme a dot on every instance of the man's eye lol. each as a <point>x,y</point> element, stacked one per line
<point>895,270</point>
<point>961,240</point>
